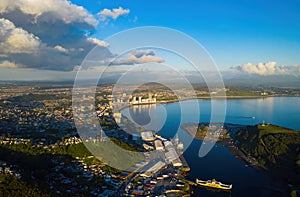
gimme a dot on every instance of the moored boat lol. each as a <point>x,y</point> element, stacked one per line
<point>214,184</point>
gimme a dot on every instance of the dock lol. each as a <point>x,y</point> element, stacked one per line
<point>185,165</point>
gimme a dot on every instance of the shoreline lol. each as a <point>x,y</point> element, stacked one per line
<point>210,98</point>
<point>204,98</point>
<point>186,99</point>
<point>228,143</point>
<point>214,97</point>
<point>218,97</point>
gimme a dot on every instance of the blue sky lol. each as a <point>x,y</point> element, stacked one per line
<point>234,32</point>
<point>240,34</point>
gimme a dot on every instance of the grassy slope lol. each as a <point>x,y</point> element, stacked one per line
<point>116,154</point>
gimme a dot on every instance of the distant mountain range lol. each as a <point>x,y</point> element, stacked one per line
<point>271,80</point>
<point>229,78</point>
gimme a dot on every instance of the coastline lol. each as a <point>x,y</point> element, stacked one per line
<point>276,182</point>
<point>202,97</point>
<point>205,98</point>
<point>229,144</point>
<point>213,97</point>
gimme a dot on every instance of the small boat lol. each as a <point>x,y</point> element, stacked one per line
<point>214,184</point>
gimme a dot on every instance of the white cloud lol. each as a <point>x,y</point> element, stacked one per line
<point>46,35</point>
<point>143,59</point>
<point>49,10</point>
<point>269,68</point>
<point>16,40</point>
<point>19,47</point>
<point>7,64</point>
<point>140,53</point>
<point>139,57</point>
<point>61,49</point>
<point>98,42</point>
<point>55,35</point>
<point>114,13</point>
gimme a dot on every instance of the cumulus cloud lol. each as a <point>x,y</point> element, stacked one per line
<point>48,34</point>
<point>61,49</point>
<point>56,35</point>
<point>7,64</point>
<point>50,20</point>
<point>98,42</point>
<point>114,13</point>
<point>143,59</point>
<point>140,53</point>
<point>16,40</point>
<point>49,10</point>
<point>139,57</point>
<point>24,48</point>
<point>269,68</point>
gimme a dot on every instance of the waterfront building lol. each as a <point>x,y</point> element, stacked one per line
<point>154,169</point>
<point>147,136</point>
<point>158,145</point>
<point>141,100</point>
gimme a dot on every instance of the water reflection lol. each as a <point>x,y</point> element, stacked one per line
<point>219,163</point>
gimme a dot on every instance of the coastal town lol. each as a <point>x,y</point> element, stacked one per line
<point>43,147</point>
<point>45,131</point>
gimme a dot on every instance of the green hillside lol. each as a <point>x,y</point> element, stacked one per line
<point>274,147</point>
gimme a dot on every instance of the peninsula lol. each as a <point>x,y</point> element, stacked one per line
<point>265,146</point>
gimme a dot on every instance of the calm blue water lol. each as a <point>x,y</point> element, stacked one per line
<point>219,163</point>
